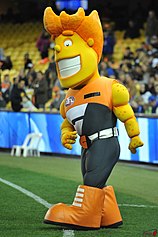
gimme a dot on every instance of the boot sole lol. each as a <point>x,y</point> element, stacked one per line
<point>70,226</point>
<point>115,225</point>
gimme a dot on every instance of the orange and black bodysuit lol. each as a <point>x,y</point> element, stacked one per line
<point>89,110</point>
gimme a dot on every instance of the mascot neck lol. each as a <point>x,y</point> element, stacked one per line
<point>93,77</point>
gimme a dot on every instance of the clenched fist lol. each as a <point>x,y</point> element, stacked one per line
<point>135,143</point>
<point>68,138</point>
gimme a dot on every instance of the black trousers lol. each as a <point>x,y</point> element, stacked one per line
<point>98,161</point>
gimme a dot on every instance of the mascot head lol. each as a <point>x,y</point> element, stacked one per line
<point>78,45</point>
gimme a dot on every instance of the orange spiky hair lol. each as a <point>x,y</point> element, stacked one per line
<point>85,26</point>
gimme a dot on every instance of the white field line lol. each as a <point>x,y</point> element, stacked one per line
<point>27,193</point>
<point>47,204</point>
<point>66,233</point>
<point>137,205</point>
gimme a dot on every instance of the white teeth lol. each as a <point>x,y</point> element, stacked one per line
<point>67,72</point>
<point>69,67</point>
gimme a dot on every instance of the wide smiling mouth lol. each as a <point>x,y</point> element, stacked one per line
<point>69,66</point>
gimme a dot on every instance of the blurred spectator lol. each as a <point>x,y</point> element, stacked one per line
<point>154,41</point>
<point>138,105</point>
<point>153,99</point>
<point>102,68</point>
<point>43,44</point>
<point>151,26</point>
<point>50,81</point>
<point>1,64</point>
<point>132,31</point>
<point>27,61</point>
<point>51,72</point>
<point>40,90</point>
<point>15,82</point>
<point>143,47</point>
<point>5,87</point>
<point>2,101</point>
<point>145,73</point>
<point>154,61</point>
<point>128,54</point>
<point>31,71</point>
<point>7,63</point>
<point>151,50</point>
<point>153,105</point>
<point>144,92</point>
<point>121,76</point>
<point>1,54</point>
<point>57,97</point>
<point>131,85</point>
<point>17,96</point>
<point>156,90</point>
<point>52,68</point>
<point>139,54</point>
<point>151,84</point>
<point>6,82</point>
<point>156,76</point>
<point>106,69</point>
<point>20,98</point>
<point>22,76</point>
<point>110,70</point>
<point>137,72</point>
<point>30,81</point>
<point>109,43</point>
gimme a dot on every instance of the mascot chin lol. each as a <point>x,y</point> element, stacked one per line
<point>90,109</point>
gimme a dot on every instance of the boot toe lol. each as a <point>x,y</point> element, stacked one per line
<point>55,214</point>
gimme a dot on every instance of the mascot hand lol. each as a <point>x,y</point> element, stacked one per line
<point>135,143</point>
<point>68,138</point>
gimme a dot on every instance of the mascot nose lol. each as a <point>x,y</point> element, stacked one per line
<point>57,48</point>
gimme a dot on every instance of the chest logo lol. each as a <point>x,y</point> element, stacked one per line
<point>69,101</point>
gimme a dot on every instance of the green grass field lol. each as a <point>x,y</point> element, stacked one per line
<point>55,180</point>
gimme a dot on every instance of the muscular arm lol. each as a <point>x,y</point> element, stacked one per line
<point>124,113</point>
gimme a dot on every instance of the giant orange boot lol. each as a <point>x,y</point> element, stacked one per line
<point>111,216</point>
<point>85,212</point>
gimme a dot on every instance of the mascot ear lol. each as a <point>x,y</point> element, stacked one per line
<point>90,42</point>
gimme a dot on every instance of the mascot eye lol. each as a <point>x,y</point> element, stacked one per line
<point>67,43</point>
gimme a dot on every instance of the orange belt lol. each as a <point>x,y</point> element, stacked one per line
<point>83,142</point>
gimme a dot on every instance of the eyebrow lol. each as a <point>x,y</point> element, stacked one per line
<point>67,33</point>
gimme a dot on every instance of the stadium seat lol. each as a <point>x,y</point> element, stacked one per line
<point>29,146</point>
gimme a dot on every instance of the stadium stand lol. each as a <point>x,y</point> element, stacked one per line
<point>17,40</point>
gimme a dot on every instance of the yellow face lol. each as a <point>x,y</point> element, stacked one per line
<point>76,61</point>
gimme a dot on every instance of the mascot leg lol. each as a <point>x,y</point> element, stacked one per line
<point>84,213</point>
<point>93,205</point>
<point>97,164</point>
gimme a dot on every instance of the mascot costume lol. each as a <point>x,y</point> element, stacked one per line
<point>90,109</point>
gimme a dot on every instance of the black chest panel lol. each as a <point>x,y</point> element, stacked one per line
<point>96,118</point>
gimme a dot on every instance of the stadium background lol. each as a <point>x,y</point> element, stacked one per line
<point>55,179</point>
<point>21,25</point>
